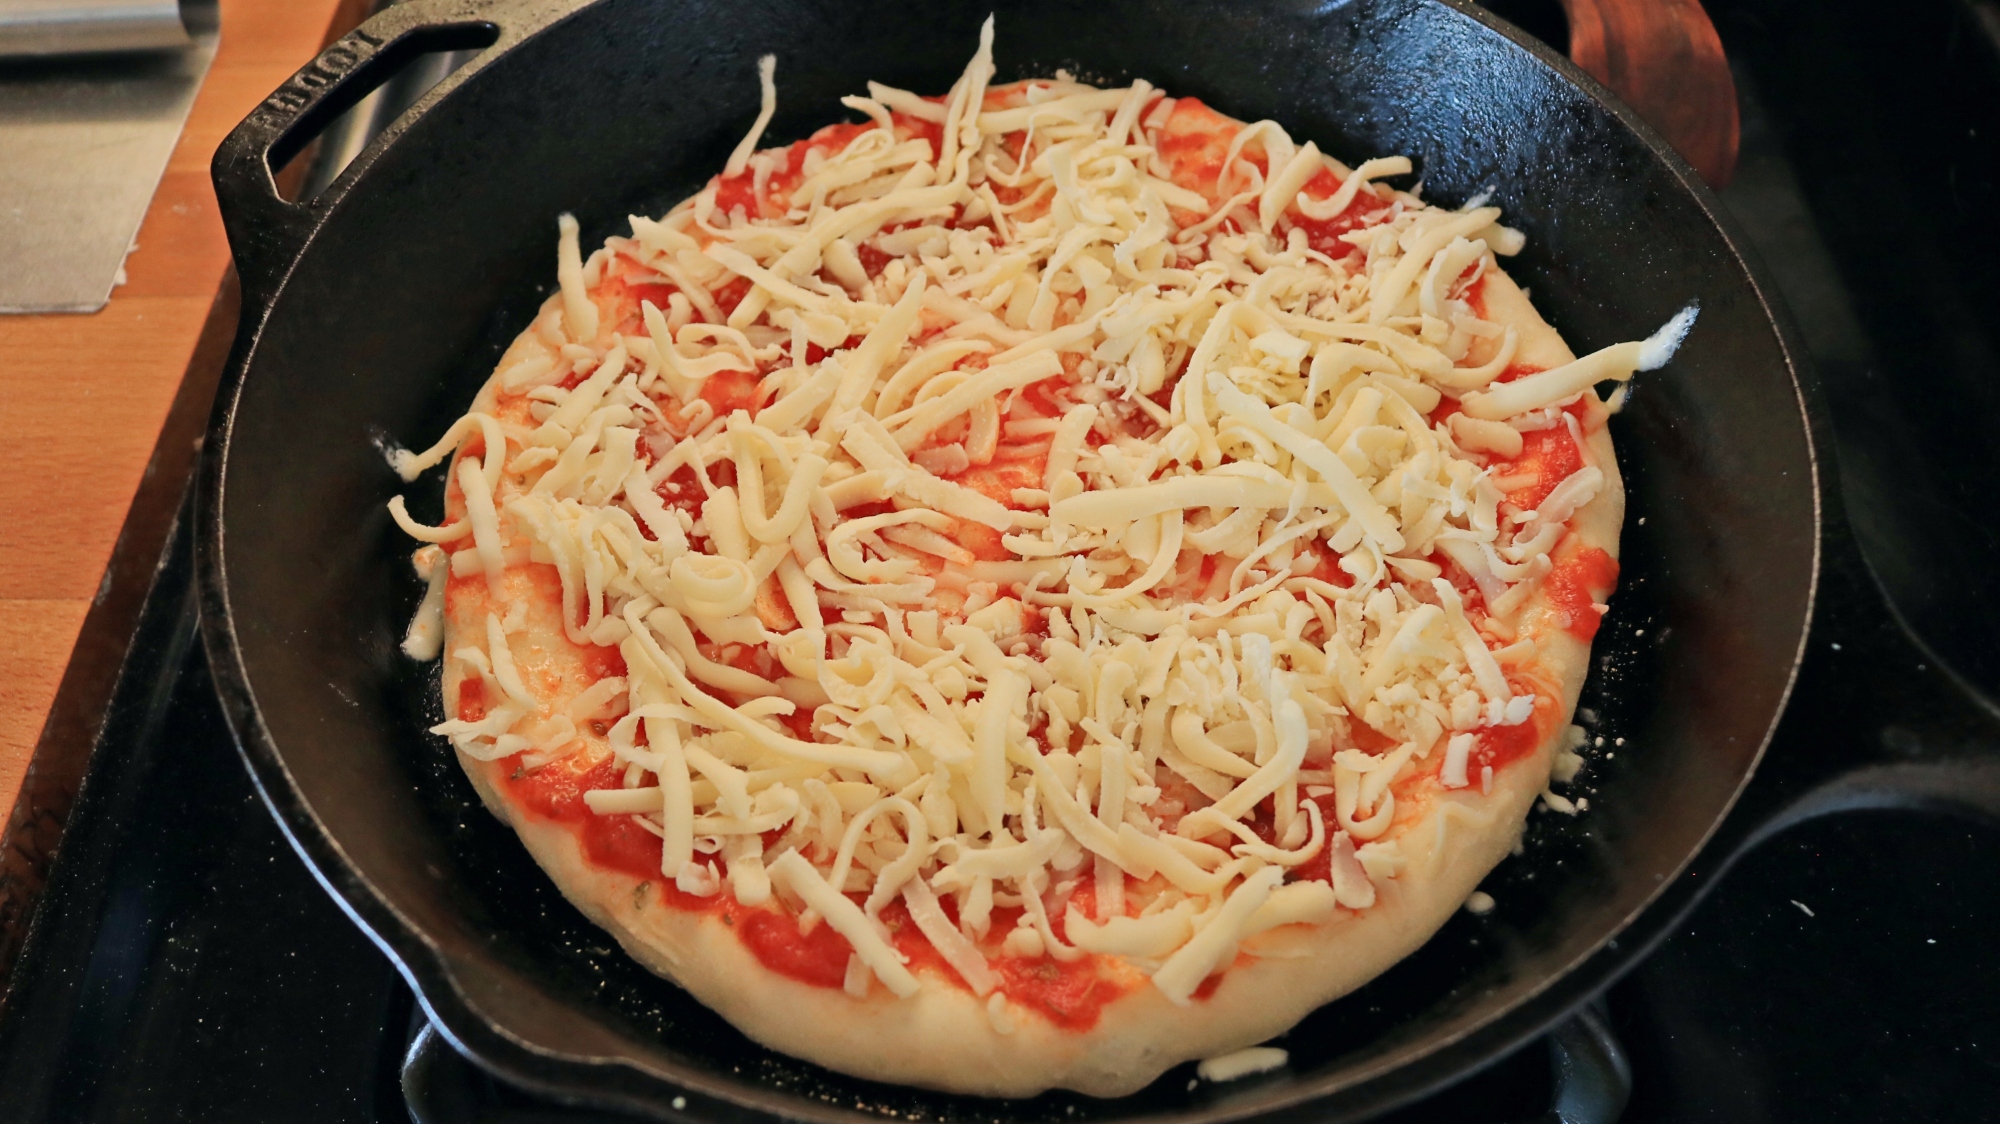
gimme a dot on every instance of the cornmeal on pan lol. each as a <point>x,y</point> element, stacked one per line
<point>1027,588</point>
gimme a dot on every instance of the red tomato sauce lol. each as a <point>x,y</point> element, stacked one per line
<point>729,391</point>
<point>753,658</point>
<point>815,353</point>
<point>872,258</point>
<point>1070,994</point>
<point>818,958</point>
<point>1319,868</point>
<point>911,128</point>
<point>555,792</point>
<point>982,541</point>
<point>471,699</point>
<point>740,190</point>
<point>1049,398</point>
<point>627,297</point>
<point>731,294</point>
<point>1325,564</point>
<point>1367,739</point>
<point>1498,745</point>
<point>1577,586</point>
<point>1548,456</point>
<point>683,491</point>
<point>1193,141</point>
<point>1324,234</point>
<point>915,947</point>
<point>602,662</point>
<point>998,479</point>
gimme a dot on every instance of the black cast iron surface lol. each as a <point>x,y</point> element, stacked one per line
<point>305,583</point>
<point>188,968</point>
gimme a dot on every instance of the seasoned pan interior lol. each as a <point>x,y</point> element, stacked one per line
<point>398,307</point>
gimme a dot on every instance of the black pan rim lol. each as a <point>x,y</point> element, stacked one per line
<point>1388,1081</point>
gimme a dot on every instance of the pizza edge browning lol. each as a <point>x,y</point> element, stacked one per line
<point>945,1037</point>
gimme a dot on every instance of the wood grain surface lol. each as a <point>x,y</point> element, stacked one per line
<point>90,402</point>
<point>1665,60</point>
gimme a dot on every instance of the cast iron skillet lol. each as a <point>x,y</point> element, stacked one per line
<point>376,309</point>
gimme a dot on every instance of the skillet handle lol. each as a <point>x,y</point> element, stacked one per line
<point>1921,741</point>
<point>266,230</point>
<point>1664,59</point>
<point>1876,722</point>
<point>1588,1067</point>
<point>1892,725</point>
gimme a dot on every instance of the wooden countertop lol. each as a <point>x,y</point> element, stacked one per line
<point>85,397</point>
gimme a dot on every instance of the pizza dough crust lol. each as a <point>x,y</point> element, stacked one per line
<point>946,1038</point>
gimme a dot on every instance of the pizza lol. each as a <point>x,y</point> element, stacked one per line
<point>1029,587</point>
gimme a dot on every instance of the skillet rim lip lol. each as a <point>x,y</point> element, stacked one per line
<point>1395,1078</point>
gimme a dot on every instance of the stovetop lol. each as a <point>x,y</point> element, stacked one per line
<point>186,966</point>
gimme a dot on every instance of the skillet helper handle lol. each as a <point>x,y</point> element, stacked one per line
<point>1664,59</point>
<point>1876,723</point>
<point>1912,737</point>
<point>266,230</point>
<point>442,1086</point>
<point>433,1086</point>
<point>1591,1075</point>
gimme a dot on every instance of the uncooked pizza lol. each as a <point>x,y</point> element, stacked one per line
<point>1027,588</point>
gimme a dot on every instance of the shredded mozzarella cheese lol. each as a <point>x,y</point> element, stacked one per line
<point>1242,1063</point>
<point>1074,516</point>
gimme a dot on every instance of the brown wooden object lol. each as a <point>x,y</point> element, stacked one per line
<point>1664,59</point>
<point>103,412</point>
